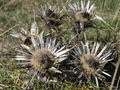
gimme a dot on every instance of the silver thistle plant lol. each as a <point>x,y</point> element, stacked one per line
<point>45,55</point>
<point>83,13</point>
<point>91,61</point>
<point>51,14</point>
<point>25,35</point>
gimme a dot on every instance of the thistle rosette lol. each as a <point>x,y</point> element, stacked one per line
<point>91,61</point>
<point>52,15</point>
<point>25,36</point>
<point>83,13</point>
<point>45,55</point>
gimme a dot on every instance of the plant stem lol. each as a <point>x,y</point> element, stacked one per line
<point>115,73</point>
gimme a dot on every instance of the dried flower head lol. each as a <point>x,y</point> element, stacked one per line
<point>25,36</point>
<point>45,55</point>
<point>51,14</point>
<point>83,13</point>
<point>92,61</point>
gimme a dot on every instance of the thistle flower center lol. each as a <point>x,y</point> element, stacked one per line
<point>42,60</point>
<point>28,41</point>
<point>90,63</point>
<point>45,59</point>
<point>86,15</point>
<point>82,16</point>
<point>50,13</point>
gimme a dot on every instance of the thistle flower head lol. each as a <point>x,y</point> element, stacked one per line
<point>92,61</point>
<point>25,36</point>
<point>51,14</point>
<point>45,55</point>
<point>83,12</point>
